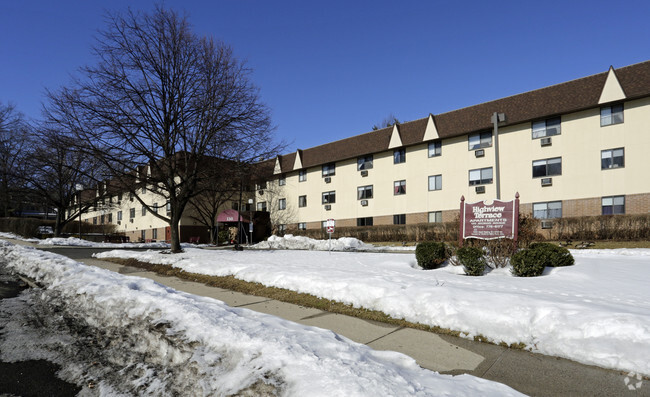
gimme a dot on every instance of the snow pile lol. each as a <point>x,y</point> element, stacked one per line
<point>16,237</point>
<point>188,345</point>
<point>596,312</point>
<point>76,242</point>
<point>291,242</point>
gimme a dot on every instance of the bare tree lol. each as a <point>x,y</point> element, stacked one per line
<point>14,138</point>
<point>163,97</point>
<point>388,121</point>
<point>55,174</point>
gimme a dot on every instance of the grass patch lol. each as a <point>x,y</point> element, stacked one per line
<point>297,298</point>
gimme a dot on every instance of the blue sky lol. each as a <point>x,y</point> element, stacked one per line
<point>330,70</point>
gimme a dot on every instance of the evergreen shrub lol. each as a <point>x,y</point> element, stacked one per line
<point>528,263</point>
<point>430,255</point>
<point>472,259</point>
<point>554,255</point>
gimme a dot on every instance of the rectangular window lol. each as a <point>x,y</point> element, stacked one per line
<point>261,206</point>
<point>94,220</point>
<point>364,221</point>
<point>302,226</point>
<point>480,140</point>
<point>399,187</point>
<point>234,205</point>
<point>547,167</point>
<point>329,169</point>
<point>614,205</point>
<point>302,175</point>
<point>435,182</point>
<point>612,158</point>
<point>399,219</point>
<point>480,176</point>
<point>143,235</point>
<point>611,115</point>
<point>435,217</point>
<point>364,163</point>
<point>548,210</point>
<point>154,209</point>
<point>119,215</point>
<point>132,213</point>
<point>144,211</point>
<point>329,197</point>
<point>282,204</point>
<point>102,219</point>
<point>364,192</point>
<point>110,218</point>
<point>548,127</point>
<point>282,229</point>
<point>399,156</point>
<point>260,186</point>
<point>435,148</point>
<point>154,234</point>
<point>302,201</point>
<point>282,181</point>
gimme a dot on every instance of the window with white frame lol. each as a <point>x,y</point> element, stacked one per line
<point>480,140</point>
<point>302,175</point>
<point>132,213</point>
<point>611,115</point>
<point>399,156</point>
<point>168,208</point>
<point>435,217</point>
<point>329,197</point>
<point>367,221</point>
<point>364,192</point>
<point>119,215</point>
<point>548,127</point>
<point>613,205</point>
<point>435,148</point>
<point>364,162</point>
<point>261,206</point>
<point>154,209</point>
<point>154,234</point>
<point>547,167</point>
<point>329,169</point>
<point>612,158</point>
<point>282,180</point>
<point>302,226</point>
<point>435,182</point>
<point>282,204</point>
<point>480,176</point>
<point>302,201</point>
<point>547,210</point>
<point>399,219</point>
<point>399,187</point>
<point>282,229</point>
<point>143,235</point>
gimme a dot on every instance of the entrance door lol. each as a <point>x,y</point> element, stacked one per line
<point>168,233</point>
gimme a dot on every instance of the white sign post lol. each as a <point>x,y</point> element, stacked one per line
<point>330,229</point>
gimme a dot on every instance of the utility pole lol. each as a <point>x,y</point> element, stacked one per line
<point>496,118</point>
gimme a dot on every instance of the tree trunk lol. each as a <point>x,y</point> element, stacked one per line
<point>176,240</point>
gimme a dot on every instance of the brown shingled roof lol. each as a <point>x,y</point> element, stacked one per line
<point>563,98</point>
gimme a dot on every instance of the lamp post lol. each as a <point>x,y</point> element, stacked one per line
<point>496,119</point>
<point>250,219</point>
<point>79,188</point>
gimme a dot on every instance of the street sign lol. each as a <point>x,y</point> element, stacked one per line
<point>330,226</point>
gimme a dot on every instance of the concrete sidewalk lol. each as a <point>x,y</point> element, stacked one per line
<point>532,374</point>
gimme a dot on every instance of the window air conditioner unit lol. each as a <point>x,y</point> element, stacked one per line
<point>480,189</point>
<point>328,207</point>
<point>364,173</point>
<point>547,181</point>
<point>119,222</point>
<point>479,153</point>
<point>545,141</point>
<point>328,179</point>
<point>131,220</point>
<point>547,224</point>
<point>364,203</point>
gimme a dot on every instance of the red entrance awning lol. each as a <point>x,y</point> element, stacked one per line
<point>228,216</point>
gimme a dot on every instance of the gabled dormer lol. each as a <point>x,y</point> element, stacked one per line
<point>395,138</point>
<point>431,132</point>
<point>612,90</point>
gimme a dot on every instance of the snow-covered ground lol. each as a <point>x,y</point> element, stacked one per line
<point>291,242</point>
<point>163,342</point>
<point>595,312</point>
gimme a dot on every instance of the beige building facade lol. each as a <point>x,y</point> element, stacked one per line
<point>578,148</point>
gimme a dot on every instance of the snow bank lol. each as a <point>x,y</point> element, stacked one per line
<point>291,242</point>
<point>596,312</point>
<point>227,350</point>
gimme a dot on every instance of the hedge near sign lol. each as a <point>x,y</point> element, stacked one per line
<point>487,221</point>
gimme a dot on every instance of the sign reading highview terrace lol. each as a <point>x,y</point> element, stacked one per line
<point>498,219</point>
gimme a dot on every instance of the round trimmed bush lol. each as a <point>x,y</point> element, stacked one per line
<point>528,263</point>
<point>472,259</point>
<point>555,255</point>
<point>430,255</point>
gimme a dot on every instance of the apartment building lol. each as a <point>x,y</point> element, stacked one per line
<point>577,148</point>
